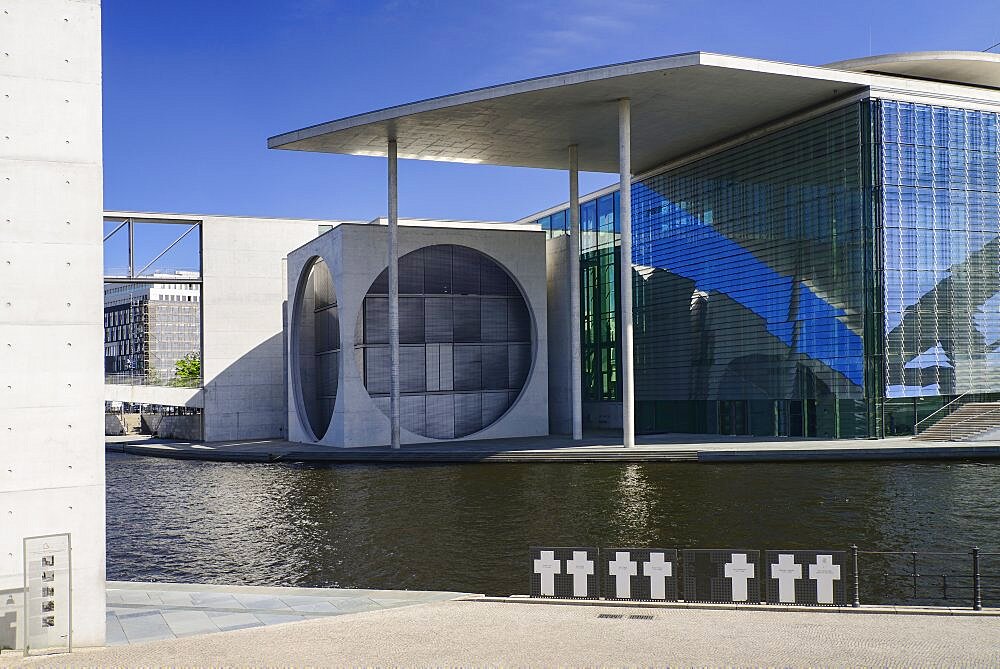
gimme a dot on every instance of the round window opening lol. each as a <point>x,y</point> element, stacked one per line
<point>465,341</point>
<point>316,346</point>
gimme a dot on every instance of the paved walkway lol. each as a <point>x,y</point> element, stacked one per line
<point>143,612</point>
<point>487,633</point>
<point>556,448</point>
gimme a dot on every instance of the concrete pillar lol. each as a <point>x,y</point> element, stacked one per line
<point>625,216</point>
<point>576,376</point>
<point>393,263</point>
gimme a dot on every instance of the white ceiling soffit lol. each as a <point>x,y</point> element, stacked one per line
<point>973,68</point>
<point>679,104</point>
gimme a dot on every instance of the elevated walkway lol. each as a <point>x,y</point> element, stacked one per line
<point>163,395</point>
<point>970,422</point>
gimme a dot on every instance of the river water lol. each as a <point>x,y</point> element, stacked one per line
<point>468,527</point>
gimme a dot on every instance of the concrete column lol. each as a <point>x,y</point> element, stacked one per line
<point>625,216</point>
<point>575,375</point>
<point>393,262</point>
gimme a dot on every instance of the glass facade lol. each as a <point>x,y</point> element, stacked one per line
<point>941,207</point>
<point>750,286</point>
<point>836,278</point>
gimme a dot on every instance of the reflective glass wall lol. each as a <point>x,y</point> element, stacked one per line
<point>750,285</point>
<point>837,278</point>
<point>941,209</point>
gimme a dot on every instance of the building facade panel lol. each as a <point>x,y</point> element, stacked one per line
<point>940,170</point>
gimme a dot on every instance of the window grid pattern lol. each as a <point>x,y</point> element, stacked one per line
<point>465,341</point>
<point>941,209</point>
<point>752,283</point>
<point>751,280</point>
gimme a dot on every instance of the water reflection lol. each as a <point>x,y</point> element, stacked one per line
<point>468,527</point>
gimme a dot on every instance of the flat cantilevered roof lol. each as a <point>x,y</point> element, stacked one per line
<point>680,104</point>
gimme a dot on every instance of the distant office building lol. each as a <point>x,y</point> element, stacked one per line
<point>814,250</point>
<point>149,327</point>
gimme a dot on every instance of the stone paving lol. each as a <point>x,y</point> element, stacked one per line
<point>143,612</point>
<point>491,633</point>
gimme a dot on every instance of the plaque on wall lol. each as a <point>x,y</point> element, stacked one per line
<point>47,601</point>
<point>568,573</point>
<point>806,577</point>
<point>721,575</point>
<point>646,574</point>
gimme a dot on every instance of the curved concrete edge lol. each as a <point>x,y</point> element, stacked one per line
<point>776,608</point>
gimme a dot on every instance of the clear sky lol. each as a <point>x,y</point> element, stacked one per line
<point>193,88</point>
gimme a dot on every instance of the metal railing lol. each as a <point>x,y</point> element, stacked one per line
<point>916,425</point>
<point>126,379</point>
<point>967,584</point>
<point>954,427</point>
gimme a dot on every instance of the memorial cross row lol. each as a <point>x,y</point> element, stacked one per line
<point>708,575</point>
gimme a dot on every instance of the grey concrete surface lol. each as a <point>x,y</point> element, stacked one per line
<point>562,448</point>
<point>356,255</point>
<point>143,612</point>
<point>480,633</point>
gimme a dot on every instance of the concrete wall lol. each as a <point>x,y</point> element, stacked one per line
<point>243,296</point>
<point>356,255</point>
<point>51,437</point>
<point>560,384</point>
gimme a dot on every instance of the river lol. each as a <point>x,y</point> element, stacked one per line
<point>468,527</point>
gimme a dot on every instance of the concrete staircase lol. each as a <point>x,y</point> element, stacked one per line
<point>965,423</point>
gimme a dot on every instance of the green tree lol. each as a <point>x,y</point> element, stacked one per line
<point>187,371</point>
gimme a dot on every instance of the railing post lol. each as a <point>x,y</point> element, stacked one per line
<point>977,593</point>
<point>857,582</point>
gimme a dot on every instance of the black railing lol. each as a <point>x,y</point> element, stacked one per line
<point>910,575</point>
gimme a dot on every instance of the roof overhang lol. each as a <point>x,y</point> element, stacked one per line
<point>971,68</point>
<point>680,104</point>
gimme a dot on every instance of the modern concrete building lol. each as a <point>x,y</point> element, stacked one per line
<point>239,281</point>
<point>807,251</point>
<point>51,443</point>
<point>472,334</point>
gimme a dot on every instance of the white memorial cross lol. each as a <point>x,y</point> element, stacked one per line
<point>739,571</point>
<point>548,566</point>
<point>657,569</point>
<point>623,569</point>
<point>581,568</point>
<point>786,571</point>
<point>824,572</point>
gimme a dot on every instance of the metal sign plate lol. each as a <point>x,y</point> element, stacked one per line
<point>47,602</point>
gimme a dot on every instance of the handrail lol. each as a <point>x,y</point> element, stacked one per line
<point>938,410</point>
<point>951,428</point>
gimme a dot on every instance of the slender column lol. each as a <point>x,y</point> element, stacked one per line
<point>575,373</point>
<point>625,216</point>
<point>393,262</point>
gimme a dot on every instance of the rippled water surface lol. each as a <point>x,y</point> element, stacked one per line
<point>468,527</point>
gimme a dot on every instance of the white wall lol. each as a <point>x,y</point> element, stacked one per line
<point>51,436</point>
<point>242,297</point>
<point>560,385</point>
<point>356,255</point>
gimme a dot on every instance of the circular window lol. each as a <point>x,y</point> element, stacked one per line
<point>465,341</point>
<point>316,346</point>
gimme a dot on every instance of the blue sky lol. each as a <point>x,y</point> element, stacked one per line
<point>193,88</point>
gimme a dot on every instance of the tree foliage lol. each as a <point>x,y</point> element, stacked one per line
<point>187,371</point>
